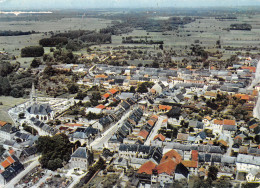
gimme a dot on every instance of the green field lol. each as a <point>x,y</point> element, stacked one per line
<point>13,44</point>
<point>8,102</point>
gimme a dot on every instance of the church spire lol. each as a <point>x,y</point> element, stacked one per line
<point>33,97</point>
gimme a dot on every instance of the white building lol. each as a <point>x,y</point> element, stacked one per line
<point>81,158</point>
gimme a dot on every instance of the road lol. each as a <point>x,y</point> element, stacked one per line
<point>256,111</point>
<point>154,131</point>
<point>76,180</point>
<point>22,174</point>
<point>231,142</point>
<point>101,141</point>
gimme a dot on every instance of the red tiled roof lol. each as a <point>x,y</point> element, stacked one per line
<point>243,96</point>
<point>155,117</point>
<point>143,133</point>
<point>208,118</point>
<point>224,143</point>
<point>172,154</point>
<point>238,137</point>
<point>190,164</point>
<point>2,123</point>
<point>101,76</point>
<point>150,122</point>
<point>167,167</point>
<point>5,163</point>
<point>252,69</point>
<point>63,128</point>
<point>229,122</point>
<point>225,122</point>
<point>147,168</point>
<point>11,151</point>
<point>152,90</point>
<point>253,126</point>
<point>73,124</point>
<point>113,91</point>
<point>165,120</point>
<point>106,95</point>
<point>255,92</point>
<point>160,137</point>
<point>10,159</point>
<point>101,106</point>
<point>194,155</point>
<point>165,107</point>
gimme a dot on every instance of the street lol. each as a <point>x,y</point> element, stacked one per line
<point>99,142</point>
<point>22,174</point>
<point>154,131</point>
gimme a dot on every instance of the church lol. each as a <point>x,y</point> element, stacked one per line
<point>43,111</point>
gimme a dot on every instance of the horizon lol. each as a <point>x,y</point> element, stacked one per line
<point>123,4</point>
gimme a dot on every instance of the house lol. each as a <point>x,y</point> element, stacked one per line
<point>105,96</point>
<point>210,94</point>
<point>164,172</point>
<point>81,158</point>
<point>248,164</point>
<point>159,137</point>
<point>7,130</point>
<point>9,173</point>
<point>182,137</point>
<point>206,120</point>
<point>226,126</point>
<point>164,108</point>
<point>144,173</point>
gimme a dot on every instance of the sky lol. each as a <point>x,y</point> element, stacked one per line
<point>82,4</point>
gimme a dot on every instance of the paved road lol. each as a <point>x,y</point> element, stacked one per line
<point>154,131</point>
<point>231,142</point>
<point>22,174</point>
<point>99,142</point>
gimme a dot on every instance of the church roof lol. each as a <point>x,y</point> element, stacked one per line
<point>39,109</point>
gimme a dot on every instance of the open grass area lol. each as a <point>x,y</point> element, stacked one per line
<point>13,44</point>
<point>8,102</point>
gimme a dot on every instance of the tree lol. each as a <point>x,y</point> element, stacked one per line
<point>132,89</point>
<point>225,183</point>
<point>257,139</point>
<point>36,63</point>
<point>155,64</point>
<point>16,93</point>
<point>5,68</point>
<point>196,182</point>
<point>32,51</point>
<point>73,88</point>
<point>5,86</point>
<point>143,87</point>
<point>212,174</point>
<point>55,150</point>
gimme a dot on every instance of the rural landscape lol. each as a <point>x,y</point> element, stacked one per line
<point>130,97</point>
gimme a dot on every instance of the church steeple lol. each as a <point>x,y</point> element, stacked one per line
<point>33,97</point>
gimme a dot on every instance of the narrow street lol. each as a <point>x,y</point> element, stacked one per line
<point>154,131</point>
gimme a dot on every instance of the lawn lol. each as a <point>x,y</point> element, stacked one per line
<point>8,102</point>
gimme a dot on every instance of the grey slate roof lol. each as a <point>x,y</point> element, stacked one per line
<point>40,109</point>
<point>81,152</point>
